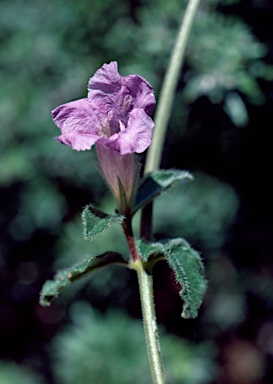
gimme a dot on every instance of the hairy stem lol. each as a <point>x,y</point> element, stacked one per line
<point>170,81</point>
<point>150,326</point>
<point>147,304</point>
<point>128,231</point>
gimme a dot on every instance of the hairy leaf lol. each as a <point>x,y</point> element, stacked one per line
<point>156,183</point>
<point>96,222</point>
<point>187,266</point>
<point>65,277</point>
<point>189,271</point>
<point>150,249</point>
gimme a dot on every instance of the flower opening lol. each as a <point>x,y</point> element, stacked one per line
<point>115,113</point>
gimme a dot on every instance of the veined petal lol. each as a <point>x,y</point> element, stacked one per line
<point>81,141</point>
<point>141,91</point>
<point>78,122</point>
<point>115,113</point>
<point>105,80</point>
<point>136,137</point>
<point>74,116</point>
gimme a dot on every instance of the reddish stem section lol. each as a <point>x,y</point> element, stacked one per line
<point>132,247</point>
<point>128,231</point>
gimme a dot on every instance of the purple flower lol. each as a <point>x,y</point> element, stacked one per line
<point>114,114</point>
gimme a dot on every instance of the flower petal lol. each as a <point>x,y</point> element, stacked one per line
<point>105,80</point>
<point>141,91</point>
<point>136,137</point>
<point>78,122</point>
<point>80,142</point>
<point>115,113</point>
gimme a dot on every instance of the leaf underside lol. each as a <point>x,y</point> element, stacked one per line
<point>156,183</point>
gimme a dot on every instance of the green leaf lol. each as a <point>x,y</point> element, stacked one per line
<point>150,249</point>
<point>65,277</point>
<point>187,266</point>
<point>189,271</point>
<point>156,183</point>
<point>96,222</point>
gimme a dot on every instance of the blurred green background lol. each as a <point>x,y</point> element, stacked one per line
<point>220,130</point>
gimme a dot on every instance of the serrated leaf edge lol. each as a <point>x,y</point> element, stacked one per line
<point>187,299</point>
<point>68,275</point>
<point>166,248</point>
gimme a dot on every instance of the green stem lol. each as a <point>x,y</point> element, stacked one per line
<point>147,304</point>
<point>150,325</point>
<point>170,81</point>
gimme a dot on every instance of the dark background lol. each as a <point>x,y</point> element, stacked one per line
<point>220,130</point>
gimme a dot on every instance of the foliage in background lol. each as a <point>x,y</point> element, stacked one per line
<point>11,373</point>
<point>95,348</point>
